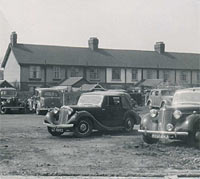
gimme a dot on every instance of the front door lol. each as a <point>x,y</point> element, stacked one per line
<point>113,111</point>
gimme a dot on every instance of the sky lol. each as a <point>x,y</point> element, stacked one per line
<point>118,24</point>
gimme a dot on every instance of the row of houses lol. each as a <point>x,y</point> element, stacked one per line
<point>28,66</point>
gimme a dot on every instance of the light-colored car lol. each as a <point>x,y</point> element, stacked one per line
<point>44,100</point>
<point>158,98</point>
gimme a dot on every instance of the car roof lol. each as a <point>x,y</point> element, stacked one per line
<point>106,93</point>
<point>196,89</point>
<point>7,89</point>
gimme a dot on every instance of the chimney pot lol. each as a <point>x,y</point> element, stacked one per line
<point>159,47</point>
<point>13,38</point>
<point>93,43</point>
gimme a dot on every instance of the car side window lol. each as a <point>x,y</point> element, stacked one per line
<point>125,103</point>
<point>156,93</point>
<point>114,101</point>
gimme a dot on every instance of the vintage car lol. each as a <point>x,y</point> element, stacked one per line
<point>44,100</point>
<point>103,110</point>
<point>181,120</point>
<point>9,101</point>
<point>158,98</point>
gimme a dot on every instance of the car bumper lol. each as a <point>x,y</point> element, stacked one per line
<point>60,126</point>
<point>164,132</point>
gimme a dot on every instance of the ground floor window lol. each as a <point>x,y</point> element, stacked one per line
<point>94,73</point>
<point>35,72</point>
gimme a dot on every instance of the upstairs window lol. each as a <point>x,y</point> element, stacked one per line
<point>166,75</point>
<point>74,72</point>
<point>134,74</point>
<point>198,76</point>
<point>149,74</point>
<point>56,72</point>
<point>94,73</point>
<point>35,72</point>
<point>116,74</point>
<point>183,76</point>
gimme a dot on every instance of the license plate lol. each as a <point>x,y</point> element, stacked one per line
<point>58,130</point>
<point>160,136</point>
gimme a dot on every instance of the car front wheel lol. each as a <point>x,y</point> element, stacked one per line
<point>4,110</point>
<point>83,128</point>
<point>129,124</point>
<point>148,139</point>
<point>55,132</point>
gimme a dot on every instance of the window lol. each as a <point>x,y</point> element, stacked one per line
<point>114,100</point>
<point>94,74</point>
<point>166,75</point>
<point>134,74</point>
<point>149,74</point>
<point>56,72</point>
<point>183,76</point>
<point>198,76</point>
<point>74,72</point>
<point>116,74</point>
<point>35,72</point>
<point>66,73</point>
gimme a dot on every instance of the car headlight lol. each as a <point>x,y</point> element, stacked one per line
<point>153,112</point>
<point>55,110</point>
<point>177,114</point>
<point>8,100</point>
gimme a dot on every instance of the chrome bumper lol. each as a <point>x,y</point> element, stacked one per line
<point>163,132</point>
<point>61,126</point>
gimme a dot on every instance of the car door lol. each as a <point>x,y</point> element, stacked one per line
<point>114,111</point>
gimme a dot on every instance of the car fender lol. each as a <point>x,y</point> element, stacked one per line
<point>190,122</point>
<point>149,123</point>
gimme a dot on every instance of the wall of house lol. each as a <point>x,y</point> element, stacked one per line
<point>109,76</point>
<point>12,71</point>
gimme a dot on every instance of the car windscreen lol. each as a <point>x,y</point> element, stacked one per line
<point>92,100</point>
<point>50,94</point>
<point>167,93</point>
<point>186,98</point>
<point>8,93</point>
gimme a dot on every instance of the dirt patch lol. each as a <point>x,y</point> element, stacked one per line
<point>27,148</point>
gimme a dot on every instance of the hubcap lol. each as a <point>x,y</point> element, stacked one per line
<point>83,127</point>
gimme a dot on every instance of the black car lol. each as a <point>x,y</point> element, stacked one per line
<point>103,110</point>
<point>181,120</point>
<point>10,102</point>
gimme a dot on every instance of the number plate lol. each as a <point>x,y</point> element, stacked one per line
<point>160,136</point>
<point>58,130</point>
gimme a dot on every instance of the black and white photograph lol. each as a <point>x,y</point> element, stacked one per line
<point>99,89</point>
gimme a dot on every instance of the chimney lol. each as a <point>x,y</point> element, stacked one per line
<point>93,43</point>
<point>13,38</point>
<point>159,47</point>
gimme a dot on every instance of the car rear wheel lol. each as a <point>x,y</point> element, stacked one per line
<point>83,128</point>
<point>148,139</point>
<point>129,124</point>
<point>54,132</point>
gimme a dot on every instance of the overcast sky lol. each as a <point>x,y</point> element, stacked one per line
<point>118,24</point>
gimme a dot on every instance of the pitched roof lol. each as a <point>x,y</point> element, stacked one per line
<point>70,81</point>
<point>90,87</point>
<point>77,56</point>
<point>151,82</point>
